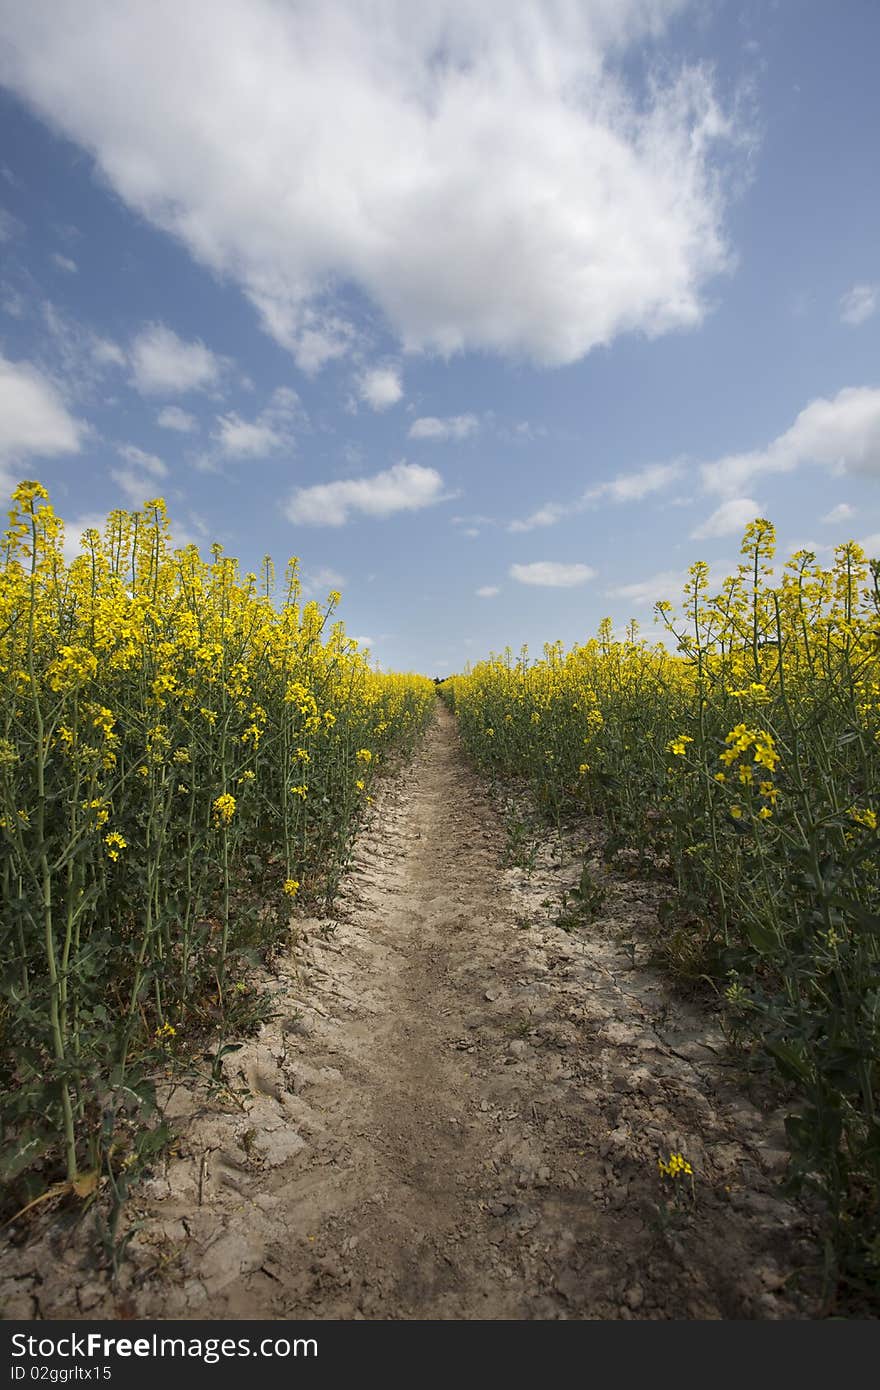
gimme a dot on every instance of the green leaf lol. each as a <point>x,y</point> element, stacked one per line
<point>761,938</point>
<point>24,1153</point>
<point>789,1061</point>
<point>868,921</point>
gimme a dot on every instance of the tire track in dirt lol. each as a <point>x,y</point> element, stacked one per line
<point>456,1113</point>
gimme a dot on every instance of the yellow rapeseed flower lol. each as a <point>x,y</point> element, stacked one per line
<point>224,809</point>
<point>678,745</point>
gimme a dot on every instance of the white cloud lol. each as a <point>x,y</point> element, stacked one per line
<point>633,487</point>
<point>842,512</point>
<point>548,515</point>
<point>245,438</point>
<point>270,431</point>
<point>64,263</point>
<point>164,364</point>
<point>138,481</point>
<point>627,487</point>
<point>812,546</point>
<point>452,427</point>
<point>407,487</point>
<point>82,357</point>
<point>431,156</point>
<point>858,304</point>
<point>107,353</point>
<point>12,301</point>
<point>871,546</point>
<point>380,387</point>
<point>314,337</point>
<point>10,226</point>
<point>173,418</point>
<point>668,584</point>
<point>549,574</point>
<point>363,642</point>
<point>137,487</point>
<point>488,591</point>
<point>34,420</point>
<point>138,458</point>
<point>322,581</point>
<point>842,434</point>
<point>731,518</point>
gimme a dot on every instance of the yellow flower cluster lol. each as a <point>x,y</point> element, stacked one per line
<point>678,746</point>
<point>743,740</point>
<point>676,1166</point>
<point>224,809</point>
<point>115,844</point>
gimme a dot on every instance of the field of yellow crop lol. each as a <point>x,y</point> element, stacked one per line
<point>182,753</point>
<point>743,757</point>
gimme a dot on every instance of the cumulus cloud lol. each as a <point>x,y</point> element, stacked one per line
<point>665,585</point>
<point>10,226</point>
<point>240,438</point>
<point>871,546</point>
<point>455,427</point>
<point>488,591</point>
<point>12,301</point>
<point>163,364</point>
<point>407,487</point>
<point>270,431</point>
<point>627,487</point>
<point>731,518</point>
<point>633,487</point>
<point>138,480</point>
<point>34,421</point>
<point>380,387</point>
<point>173,418</point>
<point>552,575</point>
<point>107,353</point>
<point>322,581</point>
<point>842,512</point>
<point>858,304</point>
<point>842,434</point>
<point>548,515</point>
<point>362,136</point>
<point>139,458</point>
<point>81,356</point>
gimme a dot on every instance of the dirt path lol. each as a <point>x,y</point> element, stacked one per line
<point>458,1113</point>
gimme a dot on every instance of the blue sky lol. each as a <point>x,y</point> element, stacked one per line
<point>497,316</point>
